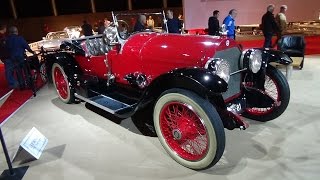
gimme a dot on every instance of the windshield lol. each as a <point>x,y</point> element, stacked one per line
<point>139,22</point>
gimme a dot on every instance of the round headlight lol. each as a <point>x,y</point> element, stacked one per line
<point>255,61</point>
<point>219,67</point>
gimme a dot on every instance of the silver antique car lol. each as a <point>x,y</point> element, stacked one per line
<point>53,40</point>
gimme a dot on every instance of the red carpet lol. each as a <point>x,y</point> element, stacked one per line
<point>16,99</point>
<point>3,83</point>
<point>312,44</point>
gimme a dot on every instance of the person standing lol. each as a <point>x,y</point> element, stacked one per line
<point>173,23</point>
<point>140,23</point>
<point>150,22</point>
<point>269,26</point>
<point>213,24</point>
<point>281,21</point>
<point>4,55</point>
<point>86,29</point>
<point>16,46</point>
<point>229,23</point>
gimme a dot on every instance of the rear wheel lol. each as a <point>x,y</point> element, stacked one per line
<point>189,128</point>
<point>277,87</point>
<point>61,83</point>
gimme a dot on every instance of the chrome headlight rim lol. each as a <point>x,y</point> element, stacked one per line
<point>219,67</point>
<point>255,60</point>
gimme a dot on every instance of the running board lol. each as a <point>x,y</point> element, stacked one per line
<point>105,103</point>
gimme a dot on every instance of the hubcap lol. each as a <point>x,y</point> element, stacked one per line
<point>61,83</point>
<point>184,131</point>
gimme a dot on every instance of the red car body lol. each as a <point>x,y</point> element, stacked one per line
<point>192,86</point>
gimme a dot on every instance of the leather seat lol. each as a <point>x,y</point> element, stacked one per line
<point>293,46</point>
<point>95,47</point>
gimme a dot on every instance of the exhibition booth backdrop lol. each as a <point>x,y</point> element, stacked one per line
<point>197,12</point>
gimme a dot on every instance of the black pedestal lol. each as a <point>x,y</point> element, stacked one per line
<point>18,173</point>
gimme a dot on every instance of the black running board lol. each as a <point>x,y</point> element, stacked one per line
<point>106,103</point>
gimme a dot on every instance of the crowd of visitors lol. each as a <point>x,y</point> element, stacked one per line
<point>270,24</point>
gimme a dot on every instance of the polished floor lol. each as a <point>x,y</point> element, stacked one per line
<point>85,145</point>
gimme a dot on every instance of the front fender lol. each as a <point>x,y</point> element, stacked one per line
<point>198,80</point>
<point>268,56</point>
<point>272,55</point>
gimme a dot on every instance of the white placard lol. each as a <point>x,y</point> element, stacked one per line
<point>34,143</point>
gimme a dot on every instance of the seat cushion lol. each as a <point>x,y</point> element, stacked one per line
<point>294,53</point>
<point>292,45</point>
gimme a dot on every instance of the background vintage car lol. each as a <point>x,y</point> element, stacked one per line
<point>53,40</point>
<point>191,86</point>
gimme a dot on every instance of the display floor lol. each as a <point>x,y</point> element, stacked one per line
<point>84,145</point>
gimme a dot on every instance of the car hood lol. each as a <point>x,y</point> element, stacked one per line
<point>183,50</point>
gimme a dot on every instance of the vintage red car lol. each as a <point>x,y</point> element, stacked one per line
<point>194,85</point>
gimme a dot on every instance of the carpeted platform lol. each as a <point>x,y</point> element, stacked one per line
<point>14,100</point>
<point>312,44</point>
<point>3,83</point>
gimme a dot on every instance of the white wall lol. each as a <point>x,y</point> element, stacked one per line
<point>197,12</point>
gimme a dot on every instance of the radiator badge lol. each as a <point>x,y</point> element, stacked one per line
<point>227,42</point>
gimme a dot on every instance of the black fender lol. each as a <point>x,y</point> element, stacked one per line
<point>272,55</point>
<point>268,56</point>
<point>201,81</point>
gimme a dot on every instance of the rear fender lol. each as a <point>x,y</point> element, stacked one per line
<point>69,65</point>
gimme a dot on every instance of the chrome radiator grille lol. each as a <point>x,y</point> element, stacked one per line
<point>231,55</point>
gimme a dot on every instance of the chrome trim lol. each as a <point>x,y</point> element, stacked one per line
<point>94,103</point>
<point>233,73</point>
<point>98,94</point>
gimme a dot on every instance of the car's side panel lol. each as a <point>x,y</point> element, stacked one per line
<point>94,65</point>
<point>166,52</point>
<point>128,59</point>
<point>154,54</point>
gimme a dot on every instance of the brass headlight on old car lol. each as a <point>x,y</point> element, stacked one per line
<point>255,60</point>
<point>219,67</point>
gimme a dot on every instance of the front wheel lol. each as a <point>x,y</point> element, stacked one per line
<point>277,87</point>
<point>61,83</point>
<point>189,128</point>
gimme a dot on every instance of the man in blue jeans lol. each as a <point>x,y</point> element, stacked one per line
<point>230,24</point>
<point>5,56</point>
<point>16,46</point>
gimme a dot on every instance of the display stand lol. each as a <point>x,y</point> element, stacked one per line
<point>11,173</point>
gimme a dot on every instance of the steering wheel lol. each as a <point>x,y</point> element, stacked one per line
<point>123,29</point>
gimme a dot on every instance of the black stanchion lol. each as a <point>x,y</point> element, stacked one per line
<point>11,173</point>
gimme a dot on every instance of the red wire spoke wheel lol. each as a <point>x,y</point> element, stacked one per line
<point>61,83</point>
<point>189,128</point>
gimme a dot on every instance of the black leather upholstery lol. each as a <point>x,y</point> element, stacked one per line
<point>293,46</point>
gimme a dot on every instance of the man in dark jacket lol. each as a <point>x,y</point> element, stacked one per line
<point>140,23</point>
<point>213,24</point>
<point>5,55</point>
<point>269,26</point>
<point>174,24</point>
<point>16,45</point>
<point>86,29</point>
